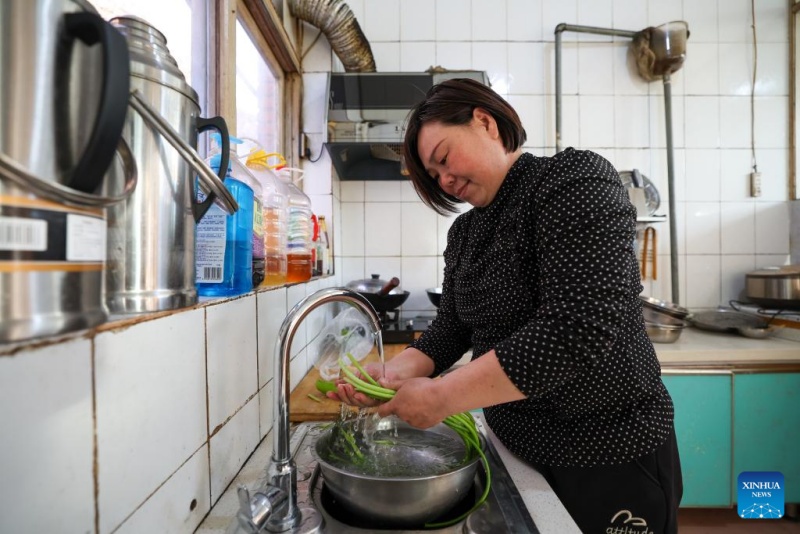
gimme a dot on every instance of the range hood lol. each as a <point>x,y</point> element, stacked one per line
<point>366,118</point>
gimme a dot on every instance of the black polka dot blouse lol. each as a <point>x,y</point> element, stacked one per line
<point>546,276</point>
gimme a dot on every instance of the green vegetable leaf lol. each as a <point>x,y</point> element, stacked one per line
<point>324,386</point>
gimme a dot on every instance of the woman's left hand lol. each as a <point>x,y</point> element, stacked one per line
<point>416,402</point>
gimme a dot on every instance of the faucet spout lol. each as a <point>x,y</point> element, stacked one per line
<point>282,471</point>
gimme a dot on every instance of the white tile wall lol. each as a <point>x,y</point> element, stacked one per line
<point>453,20</point>
<point>381,221</point>
<point>47,439</point>
<point>608,108</point>
<point>524,20</point>
<point>738,228</point>
<point>489,19</point>
<point>702,175</point>
<point>381,18</point>
<point>271,307</point>
<point>596,68</point>
<point>231,358</point>
<point>418,20</point>
<point>150,383</point>
<point>454,54</point>
<point>112,428</point>
<point>772,228</point>
<point>180,504</point>
<point>231,446</point>
<point>387,56</point>
<point>417,56</point>
<point>419,225</point>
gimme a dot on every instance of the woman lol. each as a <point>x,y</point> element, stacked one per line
<point>541,281</point>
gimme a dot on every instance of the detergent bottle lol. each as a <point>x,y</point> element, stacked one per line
<point>224,243</point>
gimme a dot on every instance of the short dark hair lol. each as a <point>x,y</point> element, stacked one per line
<point>452,102</point>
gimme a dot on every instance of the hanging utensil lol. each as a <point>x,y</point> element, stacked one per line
<point>649,252</point>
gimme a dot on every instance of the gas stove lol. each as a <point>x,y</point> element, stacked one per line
<point>401,329</point>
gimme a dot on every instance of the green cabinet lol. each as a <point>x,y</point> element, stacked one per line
<point>732,421</point>
<point>766,427</point>
<point>703,428</point>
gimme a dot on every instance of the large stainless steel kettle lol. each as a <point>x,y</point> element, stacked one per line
<point>64,83</point>
<point>151,236</point>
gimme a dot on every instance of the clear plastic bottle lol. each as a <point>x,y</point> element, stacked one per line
<point>323,248</point>
<point>224,243</point>
<point>275,206</point>
<point>243,174</point>
<point>298,230</point>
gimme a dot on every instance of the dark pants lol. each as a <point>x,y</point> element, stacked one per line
<point>640,497</point>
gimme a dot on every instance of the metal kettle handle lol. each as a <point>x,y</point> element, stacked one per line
<point>90,28</point>
<point>13,172</point>
<point>209,182</point>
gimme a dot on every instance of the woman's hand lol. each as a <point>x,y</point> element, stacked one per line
<point>408,364</point>
<point>418,402</point>
<point>347,394</point>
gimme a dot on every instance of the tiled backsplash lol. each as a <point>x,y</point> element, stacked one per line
<point>722,231</point>
<point>140,426</point>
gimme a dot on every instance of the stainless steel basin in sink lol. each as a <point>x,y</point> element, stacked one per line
<point>503,512</point>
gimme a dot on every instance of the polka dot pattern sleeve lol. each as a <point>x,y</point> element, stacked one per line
<point>582,225</point>
<point>546,276</point>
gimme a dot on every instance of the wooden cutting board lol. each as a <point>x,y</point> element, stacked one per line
<point>303,408</point>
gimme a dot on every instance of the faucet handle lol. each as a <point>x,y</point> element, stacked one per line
<point>254,511</point>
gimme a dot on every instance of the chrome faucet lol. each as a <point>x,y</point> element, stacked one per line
<point>275,508</point>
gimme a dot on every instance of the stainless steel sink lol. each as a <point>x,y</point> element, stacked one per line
<point>503,512</point>
<point>291,497</point>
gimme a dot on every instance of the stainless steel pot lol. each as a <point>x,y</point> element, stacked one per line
<point>151,236</point>
<point>774,287</point>
<point>399,501</point>
<point>64,82</point>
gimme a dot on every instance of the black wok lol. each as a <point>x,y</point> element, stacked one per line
<point>386,303</point>
<point>434,295</point>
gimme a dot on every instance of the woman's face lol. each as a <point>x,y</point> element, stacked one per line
<point>468,161</point>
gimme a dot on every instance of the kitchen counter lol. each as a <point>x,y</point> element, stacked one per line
<point>700,348</point>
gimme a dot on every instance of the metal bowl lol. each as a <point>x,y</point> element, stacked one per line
<point>399,502</point>
<point>664,307</point>
<point>434,295</point>
<point>657,316</point>
<point>663,333</point>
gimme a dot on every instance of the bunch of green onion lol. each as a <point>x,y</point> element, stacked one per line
<point>463,424</point>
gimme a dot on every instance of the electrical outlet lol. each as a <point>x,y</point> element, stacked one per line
<point>755,184</point>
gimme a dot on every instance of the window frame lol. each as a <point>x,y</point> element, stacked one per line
<point>263,22</point>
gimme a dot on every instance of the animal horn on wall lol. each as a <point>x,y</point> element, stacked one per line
<point>335,19</point>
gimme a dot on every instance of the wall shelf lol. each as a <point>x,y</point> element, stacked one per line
<point>651,219</point>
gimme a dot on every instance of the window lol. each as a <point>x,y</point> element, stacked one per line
<point>257,90</point>
<point>236,55</point>
<point>173,18</point>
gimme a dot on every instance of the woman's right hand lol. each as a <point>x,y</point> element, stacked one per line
<point>409,363</point>
<point>347,394</point>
